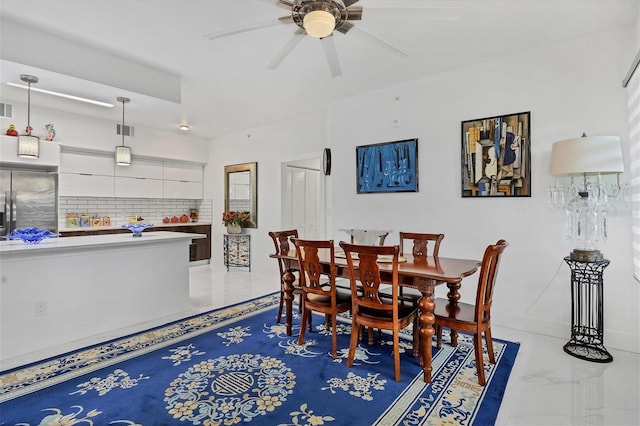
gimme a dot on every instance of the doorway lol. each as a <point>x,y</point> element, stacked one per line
<point>303,198</point>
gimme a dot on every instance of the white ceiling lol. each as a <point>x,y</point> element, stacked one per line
<point>223,84</point>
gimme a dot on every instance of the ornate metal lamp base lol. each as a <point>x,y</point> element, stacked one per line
<point>586,255</point>
<point>587,306</point>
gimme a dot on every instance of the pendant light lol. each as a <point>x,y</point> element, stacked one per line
<point>123,153</point>
<point>28,145</point>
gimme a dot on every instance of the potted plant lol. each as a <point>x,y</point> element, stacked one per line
<point>234,221</point>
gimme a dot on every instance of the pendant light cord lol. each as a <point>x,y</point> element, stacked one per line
<point>29,109</point>
<point>122,128</point>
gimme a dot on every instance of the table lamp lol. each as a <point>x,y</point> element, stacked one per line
<point>580,166</point>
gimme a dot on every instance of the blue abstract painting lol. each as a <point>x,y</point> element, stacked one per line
<point>387,167</point>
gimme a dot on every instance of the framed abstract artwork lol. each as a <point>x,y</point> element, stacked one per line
<point>387,167</point>
<point>496,156</point>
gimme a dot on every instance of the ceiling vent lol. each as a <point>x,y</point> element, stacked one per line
<point>6,110</point>
<point>127,130</point>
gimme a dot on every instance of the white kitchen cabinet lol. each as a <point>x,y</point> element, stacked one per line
<point>142,168</point>
<point>142,179</point>
<point>87,163</point>
<point>182,180</point>
<point>138,187</point>
<point>182,189</point>
<point>94,174</point>
<point>86,174</point>
<point>49,153</point>
<point>85,185</point>
<point>182,171</point>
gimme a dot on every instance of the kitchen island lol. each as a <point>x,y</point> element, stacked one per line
<point>65,289</point>
<point>199,250</point>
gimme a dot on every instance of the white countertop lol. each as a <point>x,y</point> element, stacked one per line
<point>93,241</point>
<point>155,225</point>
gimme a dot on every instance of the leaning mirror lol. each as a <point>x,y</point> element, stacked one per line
<point>241,190</point>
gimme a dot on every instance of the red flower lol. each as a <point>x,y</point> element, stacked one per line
<point>235,218</point>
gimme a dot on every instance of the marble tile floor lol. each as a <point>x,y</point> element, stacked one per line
<point>547,386</point>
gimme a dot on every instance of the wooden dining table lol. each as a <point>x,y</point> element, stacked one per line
<point>419,273</point>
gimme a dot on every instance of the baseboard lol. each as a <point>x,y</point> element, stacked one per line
<point>612,339</point>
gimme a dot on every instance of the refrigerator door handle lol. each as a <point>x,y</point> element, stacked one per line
<point>14,211</point>
<point>4,214</point>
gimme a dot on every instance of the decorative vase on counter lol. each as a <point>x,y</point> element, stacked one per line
<point>234,229</point>
<point>30,235</point>
<point>137,228</point>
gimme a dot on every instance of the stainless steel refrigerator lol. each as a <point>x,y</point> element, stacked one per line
<point>29,199</point>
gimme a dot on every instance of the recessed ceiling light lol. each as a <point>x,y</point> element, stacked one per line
<point>63,95</point>
<point>184,127</point>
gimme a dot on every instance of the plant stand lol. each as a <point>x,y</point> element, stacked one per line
<point>237,251</point>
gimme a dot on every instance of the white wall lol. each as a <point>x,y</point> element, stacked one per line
<point>84,132</point>
<point>569,89</point>
<point>270,146</point>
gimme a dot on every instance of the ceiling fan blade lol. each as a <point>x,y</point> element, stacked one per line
<point>344,27</point>
<point>400,12</point>
<point>286,19</point>
<point>354,13</point>
<point>348,3</point>
<point>243,29</point>
<point>331,54</point>
<point>382,43</point>
<point>286,49</point>
<point>285,4</point>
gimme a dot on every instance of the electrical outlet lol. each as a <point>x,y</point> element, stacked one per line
<point>40,308</point>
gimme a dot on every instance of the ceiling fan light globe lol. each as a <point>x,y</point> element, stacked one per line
<point>319,23</point>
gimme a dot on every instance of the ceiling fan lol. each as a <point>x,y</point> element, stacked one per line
<point>315,18</point>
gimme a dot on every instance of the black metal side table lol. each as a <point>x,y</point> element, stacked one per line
<point>587,311</point>
<point>237,251</point>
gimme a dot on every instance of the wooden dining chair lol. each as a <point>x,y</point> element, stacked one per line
<point>282,241</point>
<point>419,243</point>
<point>318,293</point>
<point>368,308</point>
<point>476,318</point>
<point>381,237</point>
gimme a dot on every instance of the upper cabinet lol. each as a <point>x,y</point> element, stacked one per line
<point>86,163</point>
<point>142,168</point>
<point>142,179</point>
<point>91,174</point>
<point>182,180</point>
<point>182,171</point>
<point>86,175</point>
<point>49,153</point>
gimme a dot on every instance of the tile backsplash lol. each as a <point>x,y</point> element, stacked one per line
<point>119,210</point>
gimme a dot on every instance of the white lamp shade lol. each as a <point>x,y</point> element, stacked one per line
<point>319,23</point>
<point>588,154</point>
<point>28,146</point>
<point>123,156</point>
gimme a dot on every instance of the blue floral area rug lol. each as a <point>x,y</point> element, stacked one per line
<point>236,366</point>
